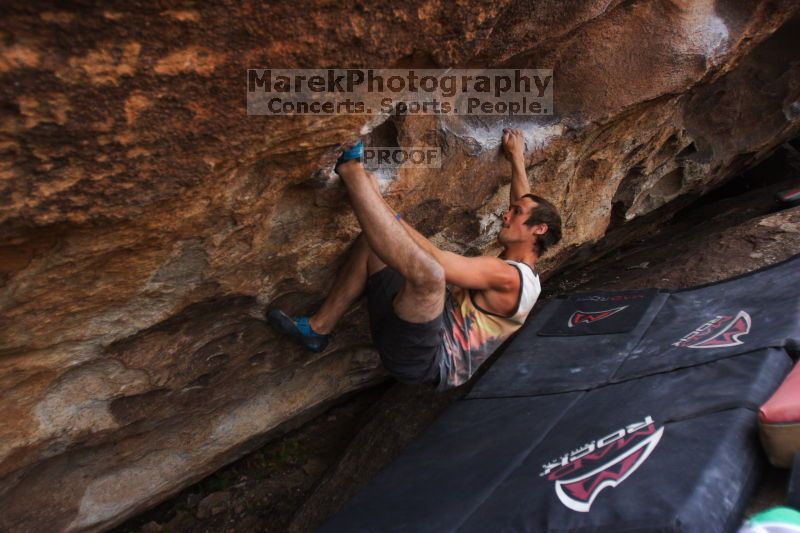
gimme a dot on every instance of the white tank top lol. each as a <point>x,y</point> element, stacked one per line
<point>531,289</point>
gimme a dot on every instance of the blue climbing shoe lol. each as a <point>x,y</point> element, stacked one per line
<point>354,152</point>
<point>298,328</point>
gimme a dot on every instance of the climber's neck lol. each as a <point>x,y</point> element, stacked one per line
<point>519,252</point>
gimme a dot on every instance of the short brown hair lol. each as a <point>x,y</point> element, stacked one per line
<point>544,213</point>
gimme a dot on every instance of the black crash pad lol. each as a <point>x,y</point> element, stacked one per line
<point>600,313</point>
<point>534,364</point>
<point>683,453</point>
<point>720,320</point>
<point>678,329</point>
<point>637,430</point>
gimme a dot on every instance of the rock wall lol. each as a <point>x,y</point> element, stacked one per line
<point>146,220</point>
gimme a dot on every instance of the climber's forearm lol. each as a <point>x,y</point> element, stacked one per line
<point>519,179</point>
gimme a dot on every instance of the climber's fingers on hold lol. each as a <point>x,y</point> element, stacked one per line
<point>520,135</point>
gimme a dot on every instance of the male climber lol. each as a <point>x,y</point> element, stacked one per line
<point>435,316</point>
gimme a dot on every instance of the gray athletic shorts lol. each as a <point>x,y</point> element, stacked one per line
<point>409,351</point>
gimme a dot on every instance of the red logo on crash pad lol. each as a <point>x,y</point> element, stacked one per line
<point>721,331</point>
<point>587,317</point>
<point>581,475</point>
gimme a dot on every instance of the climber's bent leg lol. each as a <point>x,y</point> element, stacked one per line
<point>350,282</point>
<point>348,287</point>
<point>421,298</point>
<point>410,351</point>
<point>405,299</point>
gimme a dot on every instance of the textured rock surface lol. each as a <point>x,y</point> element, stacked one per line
<point>145,220</point>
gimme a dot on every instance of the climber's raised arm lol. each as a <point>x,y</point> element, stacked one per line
<point>467,272</point>
<point>481,273</point>
<point>514,149</point>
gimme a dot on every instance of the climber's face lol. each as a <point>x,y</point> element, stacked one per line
<point>514,229</point>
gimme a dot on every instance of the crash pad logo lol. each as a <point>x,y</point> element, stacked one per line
<point>587,317</point>
<point>611,298</point>
<point>721,331</point>
<point>582,474</point>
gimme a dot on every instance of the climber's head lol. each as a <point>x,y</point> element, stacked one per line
<point>531,219</point>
